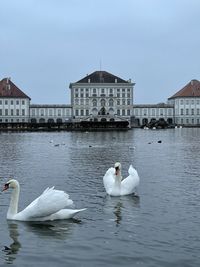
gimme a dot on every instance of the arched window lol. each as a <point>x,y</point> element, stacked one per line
<point>94,102</point>
<point>111,102</point>
<point>103,102</point>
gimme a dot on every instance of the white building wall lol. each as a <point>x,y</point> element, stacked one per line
<point>53,113</point>
<point>92,99</point>
<point>14,109</point>
<point>187,111</point>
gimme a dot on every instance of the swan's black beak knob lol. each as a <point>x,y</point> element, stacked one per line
<point>6,186</point>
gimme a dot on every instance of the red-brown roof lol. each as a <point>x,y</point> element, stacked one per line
<point>192,89</point>
<point>9,89</point>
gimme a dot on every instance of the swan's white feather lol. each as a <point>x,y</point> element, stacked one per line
<point>115,187</point>
<point>109,180</point>
<point>49,202</point>
<point>50,205</point>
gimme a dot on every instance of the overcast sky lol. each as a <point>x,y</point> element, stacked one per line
<point>46,44</point>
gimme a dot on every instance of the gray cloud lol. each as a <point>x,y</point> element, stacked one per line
<point>45,45</point>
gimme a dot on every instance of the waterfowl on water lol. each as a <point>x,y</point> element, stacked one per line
<point>115,185</point>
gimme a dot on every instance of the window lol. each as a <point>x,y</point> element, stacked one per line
<point>128,112</point>
<point>182,111</point>
<point>118,94</point>
<point>124,102</point>
<point>0,112</point>
<point>17,102</point>
<point>103,102</point>
<point>42,112</point>
<point>118,112</point>
<point>94,102</point>
<point>17,112</point>
<point>82,101</point>
<point>33,112</point>
<point>198,111</point>
<point>6,102</point>
<point>192,111</point>
<point>6,112</point>
<point>81,94</point>
<point>118,102</point>
<point>111,102</point>
<point>11,102</point>
<point>0,102</point>
<point>123,94</point>
<point>23,102</point>
<point>87,112</point>
<point>187,111</point>
<point>94,90</point>
<point>76,112</point>
<point>123,112</point>
<point>82,112</point>
<point>23,112</point>
<point>59,112</point>
<point>76,94</point>
<point>50,112</point>
<point>11,112</point>
<point>181,102</point>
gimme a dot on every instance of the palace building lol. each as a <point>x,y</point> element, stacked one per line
<point>101,96</point>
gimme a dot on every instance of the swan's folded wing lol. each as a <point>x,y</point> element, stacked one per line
<point>49,202</point>
<point>131,182</point>
<point>108,179</point>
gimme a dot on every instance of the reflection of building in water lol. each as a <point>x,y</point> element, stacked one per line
<point>12,250</point>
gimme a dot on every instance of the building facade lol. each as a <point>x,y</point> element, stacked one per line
<point>50,113</point>
<point>186,104</point>
<point>102,95</point>
<point>145,114</point>
<point>14,104</point>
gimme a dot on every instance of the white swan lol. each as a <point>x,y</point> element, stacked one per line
<point>115,185</point>
<point>48,206</point>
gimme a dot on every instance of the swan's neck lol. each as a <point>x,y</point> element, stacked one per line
<point>118,178</point>
<point>13,208</point>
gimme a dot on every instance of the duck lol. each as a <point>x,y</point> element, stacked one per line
<point>115,185</point>
<point>49,206</point>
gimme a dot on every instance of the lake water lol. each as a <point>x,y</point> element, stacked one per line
<point>160,227</point>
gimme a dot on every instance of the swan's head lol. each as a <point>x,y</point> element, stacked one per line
<point>11,184</point>
<point>117,168</point>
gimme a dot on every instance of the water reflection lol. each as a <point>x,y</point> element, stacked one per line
<point>121,207</point>
<point>57,229</point>
<point>12,250</point>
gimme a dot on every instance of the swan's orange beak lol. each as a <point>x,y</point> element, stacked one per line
<point>6,186</point>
